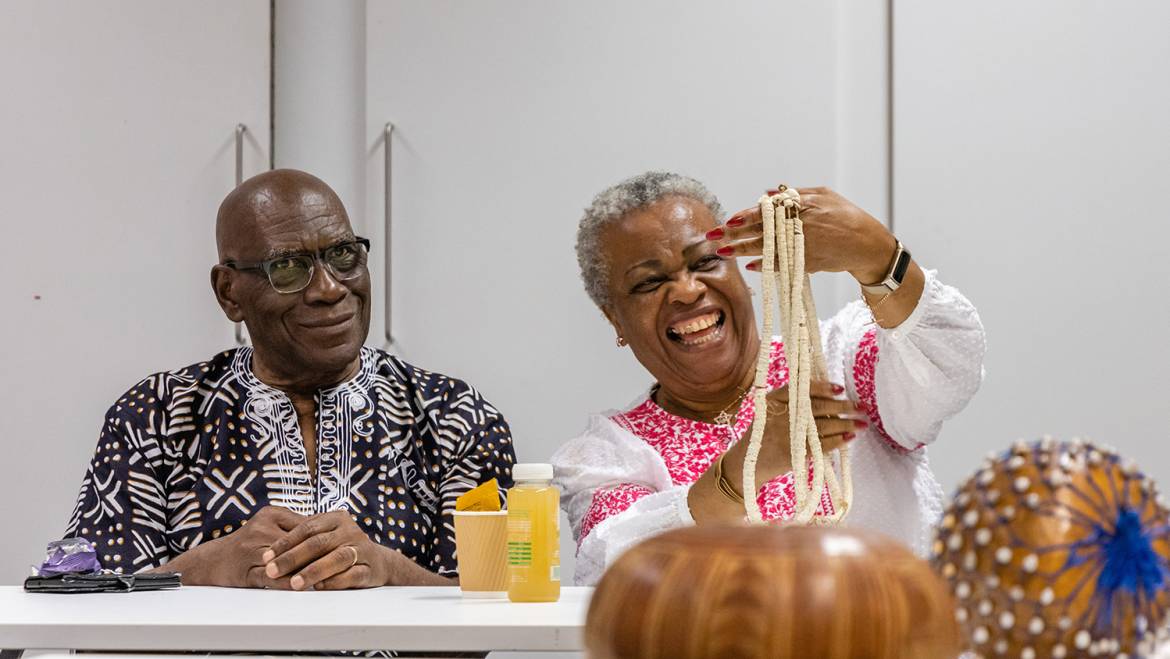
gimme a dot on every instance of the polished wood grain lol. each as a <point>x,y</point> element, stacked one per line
<point>768,592</point>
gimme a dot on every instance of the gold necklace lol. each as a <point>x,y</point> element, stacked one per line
<point>723,418</point>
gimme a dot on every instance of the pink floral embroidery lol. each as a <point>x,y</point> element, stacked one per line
<point>689,447</point>
<point>864,367</point>
<point>611,501</point>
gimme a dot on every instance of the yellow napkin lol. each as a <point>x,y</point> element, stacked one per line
<point>484,498</point>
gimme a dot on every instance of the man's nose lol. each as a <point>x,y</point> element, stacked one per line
<point>323,287</point>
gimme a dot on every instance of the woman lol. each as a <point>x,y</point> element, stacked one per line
<point>659,266</point>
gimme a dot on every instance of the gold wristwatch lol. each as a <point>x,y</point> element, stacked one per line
<point>894,275</point>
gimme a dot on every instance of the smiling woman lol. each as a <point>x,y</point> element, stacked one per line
<point>658,264</point>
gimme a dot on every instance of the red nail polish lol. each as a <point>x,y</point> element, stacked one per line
<point>735,222</point>
<point>848,436</point>
<point>715,234</point>
<point>753,266</point>
<point>861,424</point>
<point>838,389</point>
<point>725,251</point>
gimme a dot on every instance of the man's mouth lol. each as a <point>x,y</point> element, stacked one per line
<point>699,330</point>
<point>324,323</point>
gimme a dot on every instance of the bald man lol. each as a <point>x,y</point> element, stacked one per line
<point>306,461</point>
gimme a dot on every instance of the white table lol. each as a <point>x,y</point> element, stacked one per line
<point>226,619</point>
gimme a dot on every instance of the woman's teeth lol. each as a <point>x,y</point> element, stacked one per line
<point>683,333</point>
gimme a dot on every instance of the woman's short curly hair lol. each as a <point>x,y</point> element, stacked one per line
<point>617,201</point>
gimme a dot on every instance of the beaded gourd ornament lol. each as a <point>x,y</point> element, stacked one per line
<point>1058,550</point>
<point>784,246</point>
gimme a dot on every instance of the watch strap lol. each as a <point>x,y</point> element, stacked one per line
<point>894,275</point>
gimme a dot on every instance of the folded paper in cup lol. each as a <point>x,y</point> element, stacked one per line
<point>485,498</point>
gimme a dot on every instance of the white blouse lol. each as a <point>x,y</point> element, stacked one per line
<point>627,476</point>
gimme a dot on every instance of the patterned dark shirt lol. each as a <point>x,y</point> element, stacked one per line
<point>187,456</point>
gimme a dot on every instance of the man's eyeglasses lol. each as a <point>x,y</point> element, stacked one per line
<point>293,272</point>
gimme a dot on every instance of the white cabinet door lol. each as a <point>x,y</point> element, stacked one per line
<point>1031,166</point>
<point>510,115</point>
<point>117,127</point>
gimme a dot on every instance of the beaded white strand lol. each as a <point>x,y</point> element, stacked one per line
<point>784,242</point>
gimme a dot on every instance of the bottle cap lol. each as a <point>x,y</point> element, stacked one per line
<point>532,471</point>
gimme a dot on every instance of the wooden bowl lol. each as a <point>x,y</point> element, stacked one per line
<point>782,593</point>
<point>1057,550</point>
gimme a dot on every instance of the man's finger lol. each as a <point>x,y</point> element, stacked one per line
<point>283,518</point>
<point>309,527</point>
<point>334,563</point>
<point>256,578</point>
<point>357,576</point>
<point>313,548</point>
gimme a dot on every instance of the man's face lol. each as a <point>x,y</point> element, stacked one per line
<point>320,329</point>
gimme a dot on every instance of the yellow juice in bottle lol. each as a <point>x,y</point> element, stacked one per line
<point>534,538</point>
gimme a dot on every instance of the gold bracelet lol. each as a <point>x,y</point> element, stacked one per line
<point>721,483</point>
<point>874,307</point>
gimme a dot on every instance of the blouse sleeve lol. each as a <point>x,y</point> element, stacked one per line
<point>913,377</point>
<point>616,492</point>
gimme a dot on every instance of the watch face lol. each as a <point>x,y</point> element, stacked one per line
<point>901,266</point>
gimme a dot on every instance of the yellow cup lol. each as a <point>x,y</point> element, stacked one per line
<point>481,547</point>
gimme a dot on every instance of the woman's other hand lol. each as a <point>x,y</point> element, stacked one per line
<point>837,420</point>
<point>838,236</point>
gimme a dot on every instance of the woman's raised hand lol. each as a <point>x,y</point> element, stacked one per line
<point>838,236</point>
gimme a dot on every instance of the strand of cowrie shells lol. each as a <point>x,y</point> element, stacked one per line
<point>784,237</point>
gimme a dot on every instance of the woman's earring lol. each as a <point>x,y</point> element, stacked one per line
<point>621,342</point>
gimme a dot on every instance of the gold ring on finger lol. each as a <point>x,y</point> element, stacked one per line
<point>355,555</point>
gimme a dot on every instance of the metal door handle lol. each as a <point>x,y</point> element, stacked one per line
<point>241,340</point>
<point>388,188</point>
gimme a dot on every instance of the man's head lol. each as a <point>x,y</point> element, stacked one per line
<point>309,337</point>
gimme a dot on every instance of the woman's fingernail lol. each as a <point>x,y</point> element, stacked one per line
<point>838,389</point>
<point>735,222</point>
<point>848,436</point>
<point>858,423</point>
<point>725,251</point>
<point>753,266</point>
<point>715,234</point>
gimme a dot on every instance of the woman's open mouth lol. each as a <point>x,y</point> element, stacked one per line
<point>697,331</point>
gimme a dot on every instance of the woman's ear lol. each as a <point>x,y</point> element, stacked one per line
<point>617,327</point>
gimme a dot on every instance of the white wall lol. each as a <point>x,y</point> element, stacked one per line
<point>1032,148</point>
<point>319,94</point>
<point>117,127</point>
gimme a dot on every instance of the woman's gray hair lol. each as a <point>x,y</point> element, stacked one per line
<point>614,203</point>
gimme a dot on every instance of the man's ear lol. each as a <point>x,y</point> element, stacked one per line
<point>222,279</point>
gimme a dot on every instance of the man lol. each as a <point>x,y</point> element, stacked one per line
<point>307,460</point>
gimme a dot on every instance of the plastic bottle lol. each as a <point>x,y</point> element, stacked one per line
<point>534,538</point>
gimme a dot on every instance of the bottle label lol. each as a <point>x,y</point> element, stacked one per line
<point>519,539</point>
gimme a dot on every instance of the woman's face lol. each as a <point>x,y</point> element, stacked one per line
<point>685,312</point>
